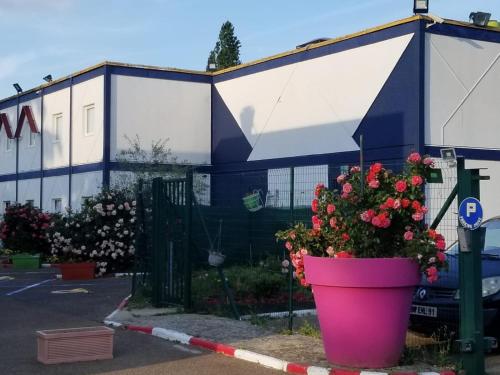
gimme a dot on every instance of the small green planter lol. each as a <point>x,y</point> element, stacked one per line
<point>26,261</point>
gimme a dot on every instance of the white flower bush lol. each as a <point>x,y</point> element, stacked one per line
<point>102,232</point>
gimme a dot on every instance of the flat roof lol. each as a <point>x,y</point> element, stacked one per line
<point>254,62</point>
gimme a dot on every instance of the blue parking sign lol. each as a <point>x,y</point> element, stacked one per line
<point>470,213</point>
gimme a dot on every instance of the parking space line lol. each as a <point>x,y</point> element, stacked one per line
<point>28,287</point>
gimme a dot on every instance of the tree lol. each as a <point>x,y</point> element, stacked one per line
<point>226,52</point>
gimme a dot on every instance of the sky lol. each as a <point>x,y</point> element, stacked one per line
<point>60,37</point>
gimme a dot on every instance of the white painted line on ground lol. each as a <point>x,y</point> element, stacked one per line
<point>187,350</point>
<point>261,359</point>
<point>314,370</point>
<point>373,373</point>
<point>112,324</point>
<point>428,373</point>
<point>6,278</point>
<point>171,335</point>
<point>28,287</point>
<point>70,291</point>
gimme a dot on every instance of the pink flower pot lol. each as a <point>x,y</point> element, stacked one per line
<point>363,307</point>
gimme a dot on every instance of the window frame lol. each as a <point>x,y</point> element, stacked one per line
<point>31,139</point>
<point>8,144</point>
<point>86,131</point>
<point>57,131</point>
<point>55,203</point>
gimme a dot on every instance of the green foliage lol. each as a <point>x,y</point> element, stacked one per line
<point>307,329</point>
<point>102,232</point>
<point>226,52</point>
<point>141,298</point>
<point>439,353</point>
<point>137,162</point>
<point>24,228</point>
<point>251,286</point>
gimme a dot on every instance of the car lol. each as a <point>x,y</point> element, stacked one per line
<point>436,305</point>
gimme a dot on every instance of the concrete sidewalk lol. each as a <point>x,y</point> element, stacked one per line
<point>265,339</point>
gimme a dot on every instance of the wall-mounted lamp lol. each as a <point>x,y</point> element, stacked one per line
<point>48,78</point>
<point>18,88</point>
<point>420,6</point>
<point>479,18</point>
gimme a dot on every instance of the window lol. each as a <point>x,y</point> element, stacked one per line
<point>30,202</point>
<point>85,199</point>
<point>57,204</point>
<point>8,144</point>
<point>57,122</point>
<point>89,119</point>
<point>5,205</point>
<point>32,139</point>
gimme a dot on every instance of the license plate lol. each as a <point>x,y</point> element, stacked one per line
<point>424,311</point>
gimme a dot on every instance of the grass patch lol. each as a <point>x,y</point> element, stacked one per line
<point>307,329</point>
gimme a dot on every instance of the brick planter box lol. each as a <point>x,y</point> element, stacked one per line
<point>75,344</point>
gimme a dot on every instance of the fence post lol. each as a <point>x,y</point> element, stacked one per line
<point>139,239</point>
<point>187,238</point>
<point>471,302</point>
<point>158,239</point>
<point>290,266</point>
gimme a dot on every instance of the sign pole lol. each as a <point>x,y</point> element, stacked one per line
<point>471,246</point>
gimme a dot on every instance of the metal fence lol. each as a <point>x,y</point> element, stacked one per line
<point>236,215</point>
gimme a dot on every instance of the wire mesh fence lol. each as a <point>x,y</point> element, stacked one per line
<point>235,216</point>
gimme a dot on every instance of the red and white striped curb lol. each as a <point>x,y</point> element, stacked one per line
<point>246,355</point>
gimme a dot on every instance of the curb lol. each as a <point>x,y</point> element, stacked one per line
<point>246,355</point>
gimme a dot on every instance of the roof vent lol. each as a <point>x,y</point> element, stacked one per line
<point>314,41</point>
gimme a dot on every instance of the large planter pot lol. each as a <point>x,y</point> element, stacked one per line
<point>363,307</point>
<point>75,344</point>
<point>77,271</point>
<point>26,261</point>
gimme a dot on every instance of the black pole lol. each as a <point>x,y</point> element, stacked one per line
<point>361,165</point>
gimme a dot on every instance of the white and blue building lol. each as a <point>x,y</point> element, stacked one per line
<point>411,85</point>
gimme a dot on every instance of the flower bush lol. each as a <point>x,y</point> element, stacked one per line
<point>102,232</point>
<point>24,229</point>
<point>386,220</point>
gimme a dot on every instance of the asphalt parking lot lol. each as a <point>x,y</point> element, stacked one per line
<point>28,303</point>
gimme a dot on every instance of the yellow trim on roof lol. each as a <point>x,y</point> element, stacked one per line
<point>101,64</point>
<point>322,44</point>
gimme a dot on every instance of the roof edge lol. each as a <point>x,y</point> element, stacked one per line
<point>322,44</point>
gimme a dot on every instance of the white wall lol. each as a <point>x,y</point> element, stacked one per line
<point>311,107</point>
<point>489,188</point>
<point>8,158</point>
<point>87,148</point>
<point>55,154</point>
<point>84,185</point>
<point>29,156</point>
<point>29,190</point>
<point>7,193</point>
<point>462,86</point>
<point>55,187</point>
<point>160,109</point>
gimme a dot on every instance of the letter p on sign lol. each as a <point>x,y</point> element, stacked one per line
<point>471,208</point>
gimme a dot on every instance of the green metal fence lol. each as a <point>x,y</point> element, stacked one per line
<point>236,215</point>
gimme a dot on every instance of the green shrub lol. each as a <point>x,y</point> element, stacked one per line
<point>24,229</point>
